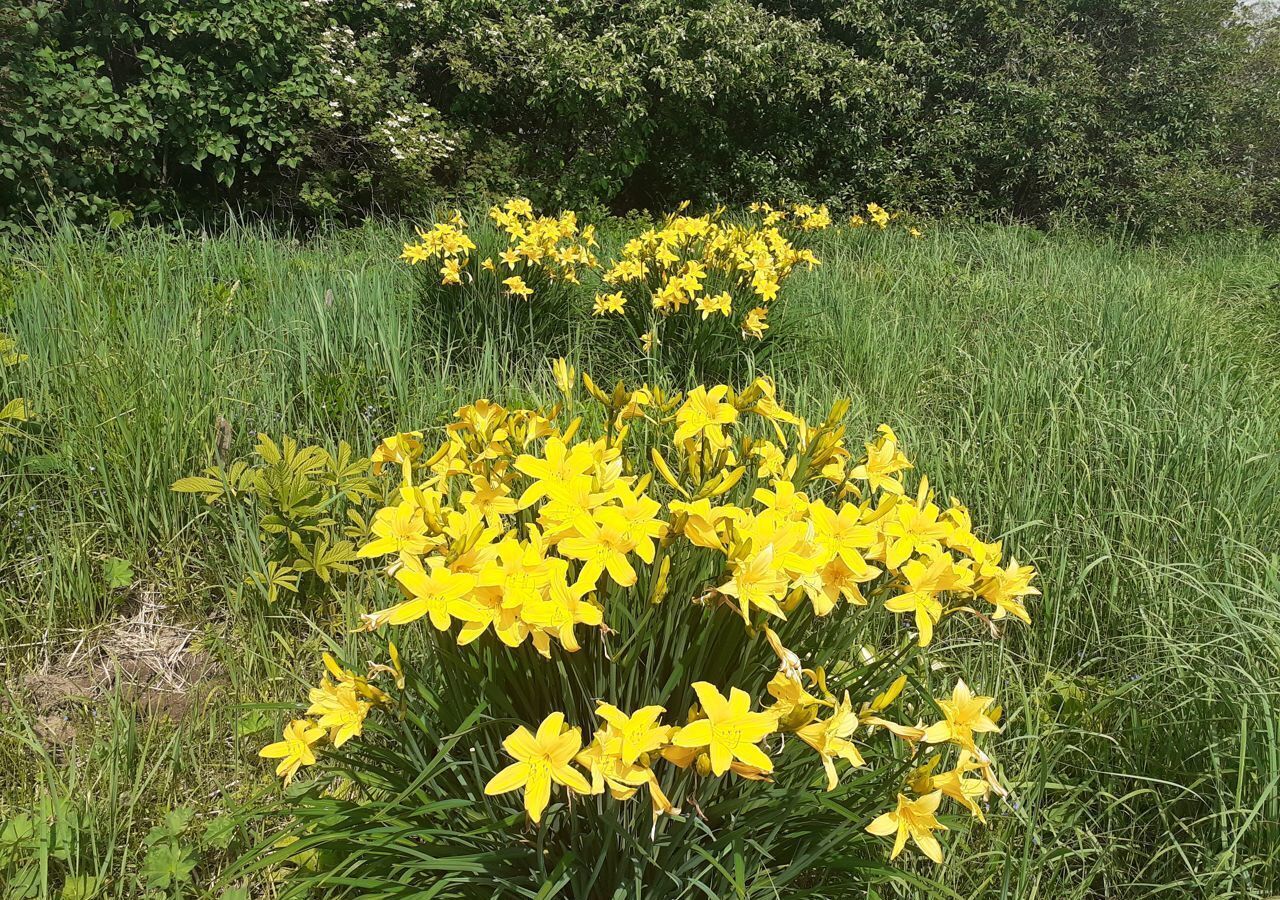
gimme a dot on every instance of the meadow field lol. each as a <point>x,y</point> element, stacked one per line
<point>1110,410</point>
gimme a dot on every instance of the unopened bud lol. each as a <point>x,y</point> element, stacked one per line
<point>703,764</point>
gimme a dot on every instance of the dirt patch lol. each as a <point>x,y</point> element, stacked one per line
<point>145,658</point>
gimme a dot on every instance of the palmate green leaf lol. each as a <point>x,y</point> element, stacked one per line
<point>269,450</point>
<point>17,835</point>
<point>15,411</point>
<point>358,529</point>
<point>9,355</point>
<point>306,524</point>
<point>176,820</point>
<point>290,460</point>
<point>7,432</point>
<point>325,559</point>
<point>166,864</point>
<point>349,475</point>
<point>274,524</point>
<point>219,832</point>
<point>117,573</point>
<point>277,578</point>
<point>292,493</point>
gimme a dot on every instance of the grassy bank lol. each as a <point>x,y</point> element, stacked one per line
<point>1111,412</point>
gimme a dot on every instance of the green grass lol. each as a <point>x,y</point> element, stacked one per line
<point>1111,411</point>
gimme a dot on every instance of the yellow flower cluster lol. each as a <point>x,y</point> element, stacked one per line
<point>460,557</point>
<point>879,217</point>
<point>673,265</point>
<point>340,707</point>
<point>520,524</point>
<point>553,245</point>
<point>805,216</point>
<point>723,734</point>
<point>785,547</point>
<point>446,242</point>
<point>706,264</point>
<point>876,215</point>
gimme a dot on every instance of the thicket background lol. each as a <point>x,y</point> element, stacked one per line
<point>1154,115</point>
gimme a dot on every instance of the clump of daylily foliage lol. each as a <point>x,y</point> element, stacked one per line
<point>687,280</point>
<point>676,596</point>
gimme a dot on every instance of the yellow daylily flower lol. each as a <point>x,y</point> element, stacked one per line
<point>926,608</point>
<point>294,750</point>
<point>622,779</point>
<point>914,819</point>
<point>720,303</point>
<point>965,791</point>
<point>517,288</point>
<point>399,529</point>
<point>603,547</point>
<point>566,376</point>
<point>399,449</point>
<point>704,413</point>
<point>884,461</point>
<point>963,715</point>
<point>911,529</point>
<point>438,594</point>
<point>730,730</point>
<point>340,710</point>
<point>755,324</point>
<point>830,738</point>
<point>795,707</point>
<point>558,466</point>
<point>541,760</point>
<point>360,684</point>
<point>635,734</point>
<point>758,582</point>
<point>1005,588</point>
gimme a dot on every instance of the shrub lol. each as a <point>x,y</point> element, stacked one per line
<point>1115,112</point>
<point>1254,119</point>
<point>661,620</point>
<point>153,105</point>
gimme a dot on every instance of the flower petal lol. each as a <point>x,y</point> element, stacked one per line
<point>510,778</point>
<point>695,734</point>
<point>537,792</point>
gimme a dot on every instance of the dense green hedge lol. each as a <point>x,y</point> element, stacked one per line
<point>1152,113</point>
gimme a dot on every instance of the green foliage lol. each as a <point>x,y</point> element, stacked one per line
<point>1255,119</point>
<point>117,573</point>
<point>152,104</point>
<point>169,862</point>
<point>1152,115</point>
<point>57,850</point>
<point>17,838</point>
<point>13,410</point>
<point>1120,402</point>
<point>306,502</point>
